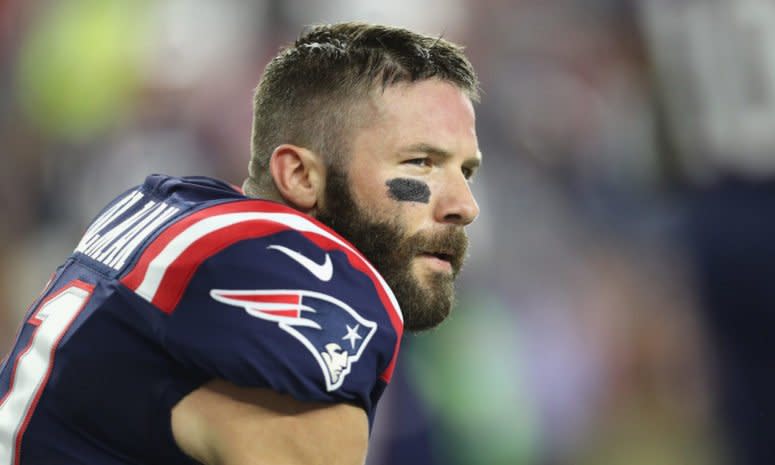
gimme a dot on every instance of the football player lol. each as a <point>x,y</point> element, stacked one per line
<point>197,322</point>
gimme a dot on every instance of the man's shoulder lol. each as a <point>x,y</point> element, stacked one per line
<point>230,270</point>
<point>157,236</point>
<point>251,237</point>
<point>168,209</point>
<point>132,220</point>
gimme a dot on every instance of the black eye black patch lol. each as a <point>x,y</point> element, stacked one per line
<point>408,190</point>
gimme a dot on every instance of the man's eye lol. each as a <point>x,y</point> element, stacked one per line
<point>419,161</point>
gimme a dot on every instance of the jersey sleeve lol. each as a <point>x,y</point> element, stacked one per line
<point>272,299</point>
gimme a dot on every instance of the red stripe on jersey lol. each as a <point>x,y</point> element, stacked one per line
<point>294,300</point>
<point>292,313</point>
<point>272,299</point>
<point>134,278</point>
<point>180,271</point>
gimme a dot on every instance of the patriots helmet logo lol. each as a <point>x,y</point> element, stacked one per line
<point>333,332</point>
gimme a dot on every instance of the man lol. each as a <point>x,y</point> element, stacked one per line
<point>195,324</point>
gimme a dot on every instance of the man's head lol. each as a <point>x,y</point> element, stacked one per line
<point>371,130</point>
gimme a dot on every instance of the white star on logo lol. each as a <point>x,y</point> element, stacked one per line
<point>352,335</point>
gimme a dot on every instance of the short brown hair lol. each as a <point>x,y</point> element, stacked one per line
<point>307,93</point>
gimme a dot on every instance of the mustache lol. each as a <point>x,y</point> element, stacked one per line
<point>451,243</point>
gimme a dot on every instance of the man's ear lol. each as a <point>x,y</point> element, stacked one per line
<point>299,176</point>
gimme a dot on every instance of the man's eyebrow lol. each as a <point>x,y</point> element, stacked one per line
<point>422,147</point>
<point>427,148</point>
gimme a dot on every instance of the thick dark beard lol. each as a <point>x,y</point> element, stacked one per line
<point>386,246</point>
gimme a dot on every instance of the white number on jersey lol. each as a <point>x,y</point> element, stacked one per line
<point>33,365</point>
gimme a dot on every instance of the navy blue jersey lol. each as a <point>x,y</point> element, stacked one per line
<point>175,283</point>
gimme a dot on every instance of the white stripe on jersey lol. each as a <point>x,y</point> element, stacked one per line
<point>157,268</point>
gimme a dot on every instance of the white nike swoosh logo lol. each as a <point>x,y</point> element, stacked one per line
<point>323,271</point>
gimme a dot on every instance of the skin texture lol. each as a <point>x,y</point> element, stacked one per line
<point>422,133</point>
<point>408,190</point>
<point>425,131</point>
<point>222,424</point>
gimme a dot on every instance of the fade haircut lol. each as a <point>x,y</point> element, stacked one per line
<point>312,93</point>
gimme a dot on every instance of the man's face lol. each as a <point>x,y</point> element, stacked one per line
<point>403,196</point>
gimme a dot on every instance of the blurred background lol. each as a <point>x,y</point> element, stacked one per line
<point>617,305</point>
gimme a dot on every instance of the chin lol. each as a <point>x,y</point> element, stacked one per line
<point>428,321</point>
<point>427,301</point>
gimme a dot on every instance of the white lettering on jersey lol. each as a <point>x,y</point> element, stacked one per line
<point>111,244</point>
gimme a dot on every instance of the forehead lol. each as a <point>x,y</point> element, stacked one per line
<point>429,102</point>
<point>430,112</point>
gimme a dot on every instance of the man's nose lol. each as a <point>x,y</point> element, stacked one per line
<point>456,204</point>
